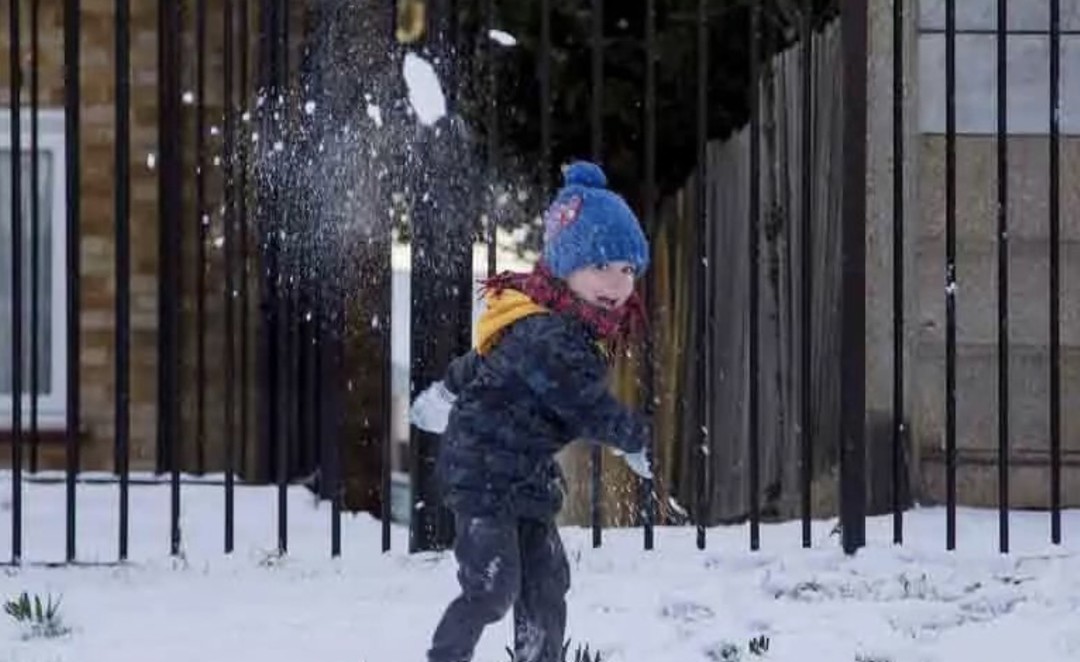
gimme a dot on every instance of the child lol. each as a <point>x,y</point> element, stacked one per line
<point>535,382</point>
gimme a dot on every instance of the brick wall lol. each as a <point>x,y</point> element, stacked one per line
<point>97,244</point>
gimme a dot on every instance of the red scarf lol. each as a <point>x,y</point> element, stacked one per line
<point>614,327</point>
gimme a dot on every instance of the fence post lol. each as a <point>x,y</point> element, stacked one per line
<point>16,283</point>
<point>440,280</point>
<point>853,251</point>
<point>170,203</point>
<point>72,154</point>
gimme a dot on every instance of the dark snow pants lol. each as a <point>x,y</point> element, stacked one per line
<point>504,563</point>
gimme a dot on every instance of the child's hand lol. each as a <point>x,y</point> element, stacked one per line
<point>639,464</point>
<point>431,409</point>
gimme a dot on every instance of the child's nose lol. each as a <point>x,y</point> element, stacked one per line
<point>617,285</point>
<point>617,277</point>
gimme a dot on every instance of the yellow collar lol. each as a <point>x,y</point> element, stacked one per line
<point>503,309</point>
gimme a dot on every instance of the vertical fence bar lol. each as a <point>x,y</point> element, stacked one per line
<point>451,42</point>
<point>292,347</point>
<point>270,291</point>
<point>334,345</point>
<point>806,34</point>
<point>1055,272</point>
<point>950,274</point>
<point>274,322</point>
<point>753,231</point>
<point>243,239</point>
<point>544,74</point>
<point>268,377</point>
<point>122,212</point>
<point>170,180</point>
<point>331,390</point>
<point>431,304</point>
<point>424,525</point>
<point>202,228</point>
<point>646,489</point>
<point>1003,273</point>
<point>898,270</point>
<point>492,135</point>
<point>288,274</point>
<point>296,275</point>
<point>289,277</point>
<point>283,347</point>
<point>35,230</point>
<point>385,332</point>
<point>338,334</point>
<point>72,35</point>
<point>596,456</point>
<point>228,10</point>
<point>283,17</point>
<point>16,348</point>
<point>276,92</point>
<point>596,114</point>
<point>853,28</point>
<point>308,388</point>
<point>704,366</point>
<point>292,366</point>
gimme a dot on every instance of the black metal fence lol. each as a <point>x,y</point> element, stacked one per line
<point>261,346</point>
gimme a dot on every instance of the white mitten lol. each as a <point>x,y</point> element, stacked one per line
<point>431,409</point>
<point>639,464</point>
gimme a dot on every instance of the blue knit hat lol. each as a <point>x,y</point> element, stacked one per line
<point>588,225</point>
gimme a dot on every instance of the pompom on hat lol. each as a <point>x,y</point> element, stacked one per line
<point>587,224</point>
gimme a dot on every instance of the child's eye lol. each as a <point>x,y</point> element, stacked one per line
<point>603,266</point>
<point>629,270</point>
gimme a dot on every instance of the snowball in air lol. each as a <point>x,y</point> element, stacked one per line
<point>502,38</point>
<point>425,92</point>
<point>375,113</point>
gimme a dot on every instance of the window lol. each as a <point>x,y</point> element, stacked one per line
<point>1028,67</point>
<point>48,293</point>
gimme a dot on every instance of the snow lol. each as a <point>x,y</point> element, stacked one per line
<point>425,91</point>
<point>502,38</point>
<point>916,603</point>
<point>375,114</point>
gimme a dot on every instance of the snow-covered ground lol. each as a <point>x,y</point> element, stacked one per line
<point>676,603</point>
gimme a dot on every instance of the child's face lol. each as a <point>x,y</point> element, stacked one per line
<point>603,285</point>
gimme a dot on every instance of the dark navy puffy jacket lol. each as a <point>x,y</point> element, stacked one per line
<point>543,385</point>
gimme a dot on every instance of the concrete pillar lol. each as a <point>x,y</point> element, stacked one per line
<point>881,166</point>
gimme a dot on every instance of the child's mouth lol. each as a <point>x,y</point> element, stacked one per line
<point>607,302</point>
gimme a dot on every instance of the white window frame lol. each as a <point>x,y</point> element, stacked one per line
<point>52,407</point>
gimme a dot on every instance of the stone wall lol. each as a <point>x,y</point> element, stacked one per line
<point>977,404</point>
<point>977,259</point>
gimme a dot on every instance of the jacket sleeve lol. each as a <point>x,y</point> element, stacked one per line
<point>461,371</point>
<point>566,373</point>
